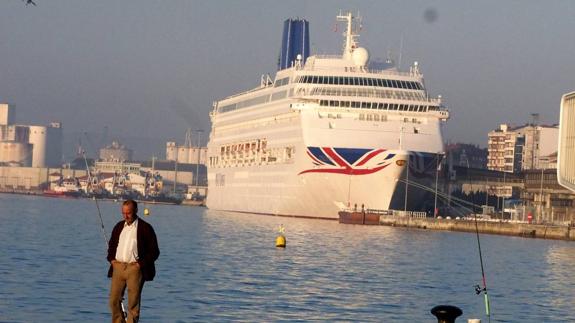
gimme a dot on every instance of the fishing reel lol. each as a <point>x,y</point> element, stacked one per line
<point>478,289</point>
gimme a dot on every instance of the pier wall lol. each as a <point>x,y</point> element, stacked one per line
<point>31,178</point>
<point>502,228</point>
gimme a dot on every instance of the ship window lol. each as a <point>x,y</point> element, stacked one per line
<point>376,117</point>
<point>227,108</point>
<point>364,105</point>
<point>411,108</point>
<point>315,79</point>
<point>403,85</point>
<point>282,82</point>
<point>369,82</point>
<point>369,117</point>
<point>394,84</point>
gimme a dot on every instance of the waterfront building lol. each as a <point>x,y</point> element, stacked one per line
<point>546,199</point>
<point>117,167</point>
<point>116,152</point>
<point>504,149</point>
<point>513,149</point>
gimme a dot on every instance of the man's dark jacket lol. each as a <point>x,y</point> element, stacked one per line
<point>148,250</point>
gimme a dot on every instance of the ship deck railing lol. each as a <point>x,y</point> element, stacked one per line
<point>311,66</point>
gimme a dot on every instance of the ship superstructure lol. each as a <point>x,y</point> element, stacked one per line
<point>324,135</point>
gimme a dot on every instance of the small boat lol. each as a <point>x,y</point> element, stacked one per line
<point>69,187</point>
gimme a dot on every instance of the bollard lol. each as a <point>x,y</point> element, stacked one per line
<point>446,313</point>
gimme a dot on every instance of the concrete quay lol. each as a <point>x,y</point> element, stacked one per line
<point>540,231</point>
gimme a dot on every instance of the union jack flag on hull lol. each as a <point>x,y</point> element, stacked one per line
<point>346,161</point>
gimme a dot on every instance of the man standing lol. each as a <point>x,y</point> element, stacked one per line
<point>132,250</point>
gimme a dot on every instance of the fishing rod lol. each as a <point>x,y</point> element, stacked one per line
<point>460,202</point>
<point>95,199</point>
<point>125,314</point>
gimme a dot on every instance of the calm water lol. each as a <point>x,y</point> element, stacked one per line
<point>224,267</point>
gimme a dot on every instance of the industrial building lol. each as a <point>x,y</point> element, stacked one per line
<point>28,145</point>
<point>187,153</point>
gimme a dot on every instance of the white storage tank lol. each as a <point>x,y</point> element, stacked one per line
<point>16,153</point>
<point>7,115</point>
<point>38,138</point>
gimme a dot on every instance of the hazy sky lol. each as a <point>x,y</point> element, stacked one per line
<point>152,68</point>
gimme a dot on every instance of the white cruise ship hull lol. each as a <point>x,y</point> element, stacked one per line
<point>336,164</point>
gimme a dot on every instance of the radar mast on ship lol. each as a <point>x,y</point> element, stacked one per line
<point>350,36</point>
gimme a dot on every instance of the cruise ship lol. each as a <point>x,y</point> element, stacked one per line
<point>327,134</point>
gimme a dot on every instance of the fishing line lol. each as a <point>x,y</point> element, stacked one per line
<point>460,202</point>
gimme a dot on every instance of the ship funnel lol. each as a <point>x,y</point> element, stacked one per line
<point>295,42</point>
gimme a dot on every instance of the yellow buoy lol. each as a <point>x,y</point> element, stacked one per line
<point>281,241</point>
<point>146,211</point>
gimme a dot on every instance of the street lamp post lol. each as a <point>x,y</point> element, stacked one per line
<point>436,180</point>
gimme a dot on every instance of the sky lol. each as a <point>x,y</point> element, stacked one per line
<point>150,69</point>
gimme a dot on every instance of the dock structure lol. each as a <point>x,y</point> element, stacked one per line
<point>415,221</point>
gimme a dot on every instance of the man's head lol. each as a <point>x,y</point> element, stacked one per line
<point>130,211</point>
